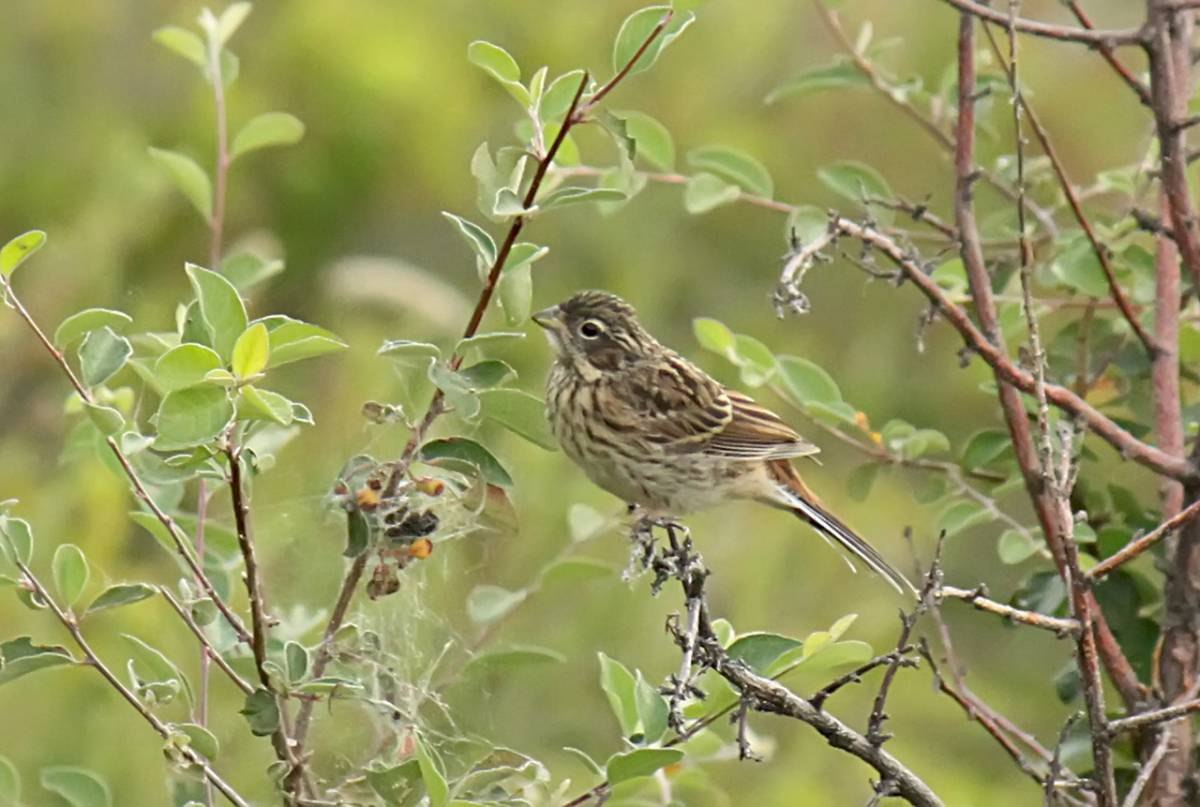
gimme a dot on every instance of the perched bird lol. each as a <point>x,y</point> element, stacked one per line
<point>649,426</point>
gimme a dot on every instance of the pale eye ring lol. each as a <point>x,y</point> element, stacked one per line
<point>591,329</point>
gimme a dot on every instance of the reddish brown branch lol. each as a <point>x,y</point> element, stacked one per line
<point>1063,33</point>
<point>1110,56</point>
<point>1137,547</point>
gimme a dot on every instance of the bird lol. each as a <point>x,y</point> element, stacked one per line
<point>652,428</point>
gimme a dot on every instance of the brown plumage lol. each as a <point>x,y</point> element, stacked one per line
<point>649,426</point>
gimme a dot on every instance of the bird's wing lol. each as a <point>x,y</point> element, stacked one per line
<point>678,406</point>
<point>755,432</point>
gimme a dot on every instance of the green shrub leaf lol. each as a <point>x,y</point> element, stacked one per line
<point>639,762</point>
<point>636,29</point>
<point>102,354</point>
<point>193,416</point>
<point>70,569</point>
<point>521,413</point>
<point>266,130</point>
<point>121,594</point>
<point>79,787</point>
<point>221,308</point>
<point>90,319</point>
<point>734,165</point>
<point>453,450</point>
<point>188,177</point>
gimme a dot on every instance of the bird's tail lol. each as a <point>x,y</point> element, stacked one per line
<point>803,503</point>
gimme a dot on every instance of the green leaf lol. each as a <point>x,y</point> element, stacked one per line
<point>961,515</point>
<point>261,404</point>
<point>102,354</point>
<point>452,450</point>
<point>70,569</point>
<point>156,667</point>
<point>79,787</point>
<point>294,340</point>
<point>182,42</point>
<point>431,774</point>
<point>1014,547</point>
<point>1078,268</point>
<point>558,96</point>
<point>854,181</point>
<point>654,143</point>
<point>759,649</point>
<point>500,65</point>
<point>245,270</point>
<point>18,250</point>
<point>756,361</point>
<point>587,761</point>
<point>188,177</point>
<point>521,413</point>
<point>476,237</point>
<point>576,194</point>
<point>510,657</point>
<point>524,253</point>
<point>230,20</point>
<point>358,534</point>
<point>636,29</point>
<point>806,224</point>
<point>18,537</point>
<point>619,685</point>
<point>107,419</point>
<point>704,192</point>
<point>861,480</point>
<point>90,319</point>
<point>651,708</point>
<point>516,293</point>
<point>119,595</point>
<point>459,394</point>
<point>199,739</point>
<point>639,762</point>
<point>487,373</point>
<point>297,661</point>
<point>251,351</point>
<point>397,785</point>
<point>484,341</point>
<point>221,308</point>
<point>268,129</point>
<point>261,712</point>
<point>507,204</point>
<point>712,334</point>
<point>817,79</point>
<point>410,352</point>
<point>20,657</point>
<point>193,416</point>
<point>585,522</point>
<point>488,603</point>
<point>806,382</point>
<point>185,366</point>
<point>734,165</point>
<point>985,447</point>
<point>574,571</point>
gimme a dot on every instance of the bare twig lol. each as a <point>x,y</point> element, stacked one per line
<point>1063,33</point>
<point>1154,717</point>
<point>254,590</point>
<point>1106,50</point>
<point>205,645</point>
<point>1139,545</point>
<point>1062,627</point>
<point>1148,767</point>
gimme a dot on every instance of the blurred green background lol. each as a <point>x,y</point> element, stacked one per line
<point>394,112</point>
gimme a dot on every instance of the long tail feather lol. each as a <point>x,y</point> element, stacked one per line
<point>829,526</point>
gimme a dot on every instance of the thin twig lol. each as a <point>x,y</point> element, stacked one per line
<point>205,644</point>
<point>1166,714</point>
<point>191,755</point>
<point>1147,770</point>
<point>1057,625</point>
<point>1062,33</point>
<point>1139,545</point>
<point>1106,50</point>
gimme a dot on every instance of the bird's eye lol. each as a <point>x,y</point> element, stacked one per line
<point>591,329</point>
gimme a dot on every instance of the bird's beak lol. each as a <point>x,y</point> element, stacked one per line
<point>547,317</point>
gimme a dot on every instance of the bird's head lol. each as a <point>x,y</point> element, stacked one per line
<point>596,330</point>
